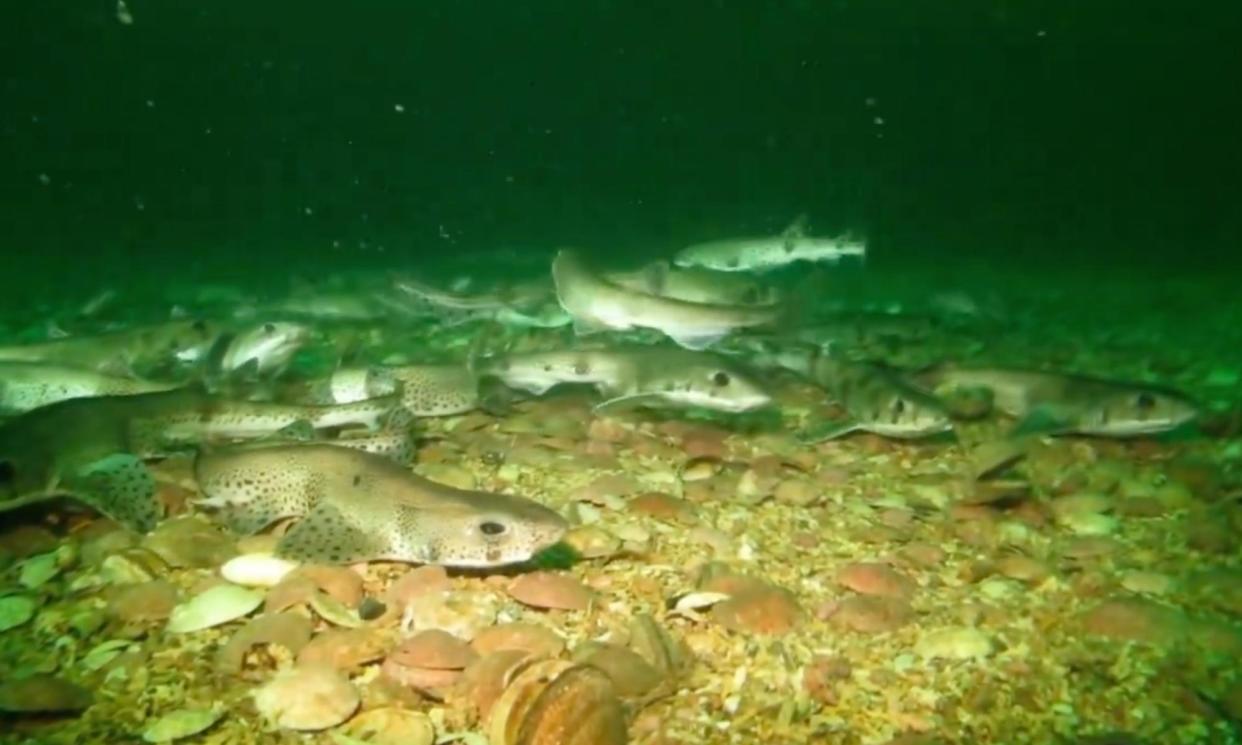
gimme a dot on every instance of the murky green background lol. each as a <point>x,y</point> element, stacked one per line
<point>223,138</point>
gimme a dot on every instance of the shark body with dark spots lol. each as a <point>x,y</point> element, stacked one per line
<point>93,448</point>
<point>355,506</point>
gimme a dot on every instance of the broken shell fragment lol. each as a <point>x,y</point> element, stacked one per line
<point>181,723</point>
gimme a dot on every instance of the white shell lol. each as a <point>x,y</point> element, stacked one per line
<point>220,604</point>
<point>311,697</point>
<point>256,570</point>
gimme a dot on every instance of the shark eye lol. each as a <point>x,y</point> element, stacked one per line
<point>720,378</point>
<point>581,368</point>
<point>899,407</point>
<point>733,263</point>
<point>1145,401</point>
<point>200,326</point>
<point>269,328</point>
<point>491,527</point>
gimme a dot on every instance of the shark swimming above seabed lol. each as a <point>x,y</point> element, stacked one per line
<point>598,305</point>
<point>770,252</point>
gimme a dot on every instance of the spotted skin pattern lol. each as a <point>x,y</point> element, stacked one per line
<point>358,506</point>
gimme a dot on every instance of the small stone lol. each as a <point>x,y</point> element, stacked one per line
<point>307,698</point>
<point>550,591</point>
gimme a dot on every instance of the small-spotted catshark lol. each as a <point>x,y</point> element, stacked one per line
<point>355,506</point>
<point>93,448</point>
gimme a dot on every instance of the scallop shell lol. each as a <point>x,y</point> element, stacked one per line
<point>578,706</point>
<point>220,604</point>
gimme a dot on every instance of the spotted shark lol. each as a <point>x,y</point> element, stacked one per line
<point>597,305</point>
<point>634,376</point>
<point>424,390</point>
<point>769,252</point>
<point>1059,403</point>
<point>695,285</point>
<point>876,399</point>
<point>354,506</point>
<point>29,385</point>
<point>93,448</point>
<point>166,345</point>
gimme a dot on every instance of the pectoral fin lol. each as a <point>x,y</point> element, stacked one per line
<point>325,536</point>
<point>119,486</point>
<point>696,342</point>
<point>1041,420</point>
<point>584,327</point>
<point>828,431</point>
<point>621,403</point>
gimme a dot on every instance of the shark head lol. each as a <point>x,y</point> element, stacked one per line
<point>903,414</point>
<point>712,385</point>
<point>491,530</point>
<point>1136,410</point>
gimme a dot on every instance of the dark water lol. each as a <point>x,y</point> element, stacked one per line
<point>228,137</point>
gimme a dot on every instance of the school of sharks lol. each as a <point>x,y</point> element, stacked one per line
<point>304,414</point>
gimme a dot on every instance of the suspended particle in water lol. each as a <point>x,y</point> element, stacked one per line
<point>398,108</point>
<point>45,179</point>
<point>123,16</point>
